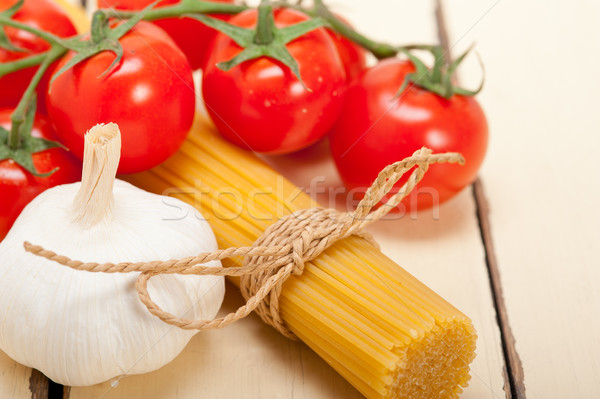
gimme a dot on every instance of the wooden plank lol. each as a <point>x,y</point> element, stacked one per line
<point>444,250</point>
<point>515,380</point>
<point>513,373</point>
<point>541,180</point>
<point>20,382</point>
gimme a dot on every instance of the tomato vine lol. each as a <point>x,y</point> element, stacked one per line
<point>264,40</point>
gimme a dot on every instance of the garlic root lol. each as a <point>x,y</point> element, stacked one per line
<point>102,148</point>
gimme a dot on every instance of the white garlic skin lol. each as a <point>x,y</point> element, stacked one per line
<point>81,328</point>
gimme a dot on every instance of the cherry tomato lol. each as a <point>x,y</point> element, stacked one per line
<point>192,36</point>
<point>353,56</point>
<point>260,104</point>
<point>149,94</point>
<point>18,187</point>
<point>41,14</point>
<point>377,129</point>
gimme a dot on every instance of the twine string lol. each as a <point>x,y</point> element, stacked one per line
<point>280,252</point>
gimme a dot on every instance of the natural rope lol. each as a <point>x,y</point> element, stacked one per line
<point>281,251</point>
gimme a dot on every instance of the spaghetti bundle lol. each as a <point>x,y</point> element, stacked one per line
<point>379,327</point>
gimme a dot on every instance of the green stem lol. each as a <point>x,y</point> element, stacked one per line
<point>177,10</point>
<point>18,115</point>
<point>408,47</point>
<point>99,27</point>
<point>22,63</point>
<point>379,50</point>
<point>265,23</point>
<point>47,36</point>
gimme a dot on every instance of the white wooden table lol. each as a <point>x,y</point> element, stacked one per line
<point>516,252</point>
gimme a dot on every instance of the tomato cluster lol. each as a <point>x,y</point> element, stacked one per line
<point>149,94</point>
<point>261,104</point>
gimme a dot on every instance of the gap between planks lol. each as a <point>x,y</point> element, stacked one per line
<point>513,373</point>
<point>38,385</point>
<point>514,368</point>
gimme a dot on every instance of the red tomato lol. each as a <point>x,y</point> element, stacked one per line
<point>149,94</point>
<point>376,130</point>
<point>18,187</point>
<point>192,36</point>
<point>353,56</point>
<point>260,104</point>
<point>42,14</point>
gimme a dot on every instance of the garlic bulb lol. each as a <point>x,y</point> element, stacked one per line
<point>82,328</point>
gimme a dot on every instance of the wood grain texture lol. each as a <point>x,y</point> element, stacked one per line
<point>514,377</point>
<point>15,379</point>
<point>514,385</point>
<point>542,180</point>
